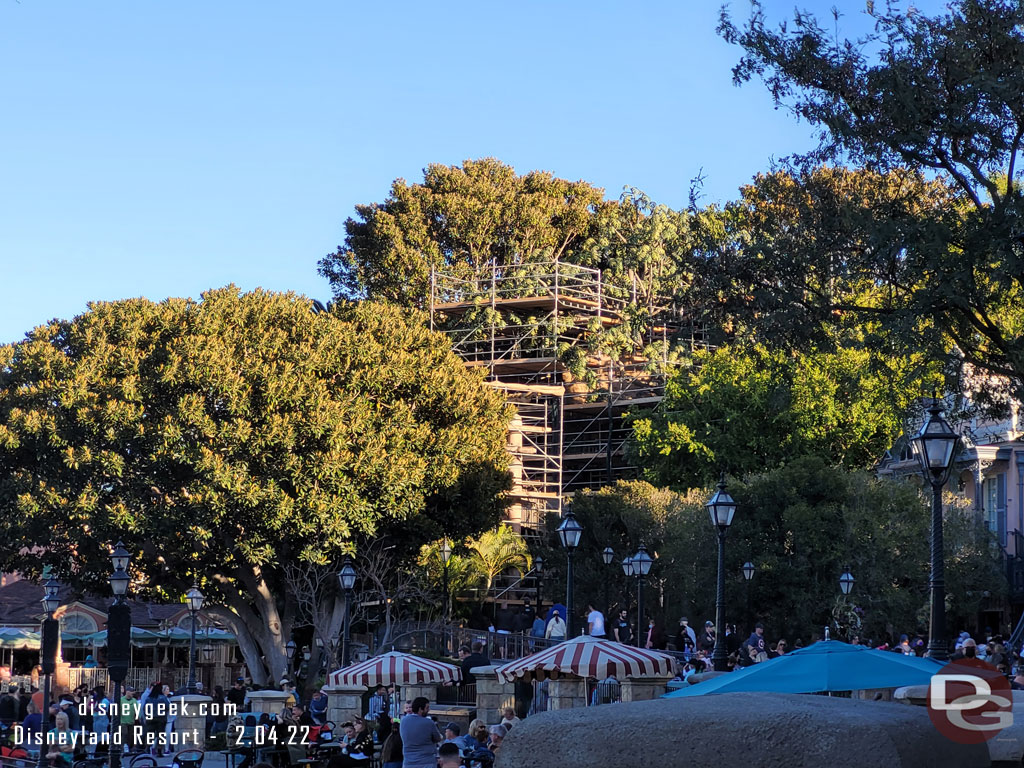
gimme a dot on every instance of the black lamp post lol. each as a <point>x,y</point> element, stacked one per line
<point>721,507</point>
<point>446,555</point>
<point>538,567</point>
<point>347,578</point>
<point>936,445</point>
<point>569,532</point>
<point>50,637</point>
<point>195,599</point>
<point>119,637</point>
<point>748,574</point>
<point>627,569</point>
<point>607,555</point>
<point>642,563</point>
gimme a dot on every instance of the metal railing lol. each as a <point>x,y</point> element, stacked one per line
<point>446,641</point>
<point>143,677</point>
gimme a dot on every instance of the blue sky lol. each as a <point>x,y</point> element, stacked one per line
<point>156,149</point>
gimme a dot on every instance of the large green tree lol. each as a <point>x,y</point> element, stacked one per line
<point>226,438</point>
<point>461,220</point>
<point>940,96</point>
<point>801,525</point>
<point>748,408</point>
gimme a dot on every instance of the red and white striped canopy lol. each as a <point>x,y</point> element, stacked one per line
<point>589,657</point>
<point>395,669</point>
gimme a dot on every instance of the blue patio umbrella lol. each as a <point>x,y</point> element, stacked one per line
<point>829,665</point>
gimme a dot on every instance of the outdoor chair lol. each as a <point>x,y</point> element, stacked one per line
<point>188,758</point>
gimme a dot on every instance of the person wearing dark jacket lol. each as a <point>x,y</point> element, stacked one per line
<point>8,709</point>
<point>476,658</point>
<point>706,640</point>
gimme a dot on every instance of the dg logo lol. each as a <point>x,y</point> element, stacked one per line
<point>969,701</point>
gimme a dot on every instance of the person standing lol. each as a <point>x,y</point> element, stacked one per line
<point>420,736</point>
<point>556,628</point>
<point>706,642</point>
<point>99,707</point>
<point>127,714</point>
<point>756,639</point>
<point>622,630</point>
<point>595,622</point>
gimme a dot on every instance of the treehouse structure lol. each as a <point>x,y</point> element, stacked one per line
<point>573,356</point>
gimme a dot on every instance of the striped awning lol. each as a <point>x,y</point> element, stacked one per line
<point>589,657</point>
<point>395,669</point>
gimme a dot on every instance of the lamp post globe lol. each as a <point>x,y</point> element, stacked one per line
<point>748,571</point>
<point>608,555</point>
<point>721,507</point>
<point>289,649</point>
<point>120,557</point>
<point>936,446</point>
<point>569,532</point>
<point>846,582</point>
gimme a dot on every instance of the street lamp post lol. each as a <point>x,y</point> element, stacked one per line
<point>538,567</point>
<point>607,555</point>
<point>49,638</point>
<point>748,574</point>
<point>195,604</point>
<point>628,571</point>
<point>641,564</point>
<point>569,532</point>
<point>119,637</point>
<point>347,578</point>
<point>446,554</point>
<point>721,508</point>
<point>936,445</point>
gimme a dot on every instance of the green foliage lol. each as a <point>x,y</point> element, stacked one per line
<point>474,565</point>
<point>462,220</point>
<point>801,525</point>
<point>223,438</point>
<point>623,516</point>
<point>940,96</point>
<point>745,409</point>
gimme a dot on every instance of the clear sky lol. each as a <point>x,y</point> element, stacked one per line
<point>162,148</point>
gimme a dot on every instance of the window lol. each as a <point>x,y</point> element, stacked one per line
<point>79,624</point>
<point>994,505</point>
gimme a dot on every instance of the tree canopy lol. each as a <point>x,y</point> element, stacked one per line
<point>224,438</point>
<point>748,408</point>
<point>462,220</point>
<point>939,96</point>
<point>801,525</point>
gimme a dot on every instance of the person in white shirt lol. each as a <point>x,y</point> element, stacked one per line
<point>595,622</point>
<point>556,628</point>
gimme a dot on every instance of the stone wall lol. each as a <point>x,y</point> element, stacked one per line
<point>567,693</point>
<point>492,695</point>
<point>737,729</point>
<point>190,723</point>
<point>644,689</point>
<point>344,702</point>
<point>271,702</point>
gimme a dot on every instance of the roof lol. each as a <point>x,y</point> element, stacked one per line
<point>20,606</point>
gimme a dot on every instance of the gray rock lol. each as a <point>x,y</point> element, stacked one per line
<point>766,730</point>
